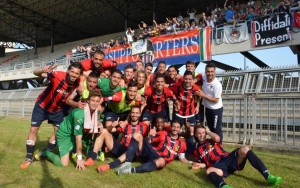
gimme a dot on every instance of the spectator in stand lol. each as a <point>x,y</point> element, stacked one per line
<point>140,36</point>
<point>208,21</point>
<point>186,26</point>
<point>240,17</point>
<point>271,11</point>
<point>238,7</point>
<point>112,43</point>
<point>250,16</point>
<point>211,7</point>
<point>129,34</point>
<point>181,25</point>
<point>124,41</point>
<point>117,43</point>
<point>78,49</point>
<point>193,26</point>
<point>192,15</point>
<point>207,12</point>
<point>217,9</point>
<point>281,7</point>
<point>179,18</point>
<point>229,15</point>
<point>74,50</point>
<point>250,3</point>
<point>296,3</point>
<point>214,17</point>
<point>101,46</point>
<point>220,21</point>
<point>168,27</point>
<point>144,28</point>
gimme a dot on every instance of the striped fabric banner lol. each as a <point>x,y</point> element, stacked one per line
<point>205,44</point>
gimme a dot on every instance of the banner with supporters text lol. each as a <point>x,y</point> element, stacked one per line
<point>271,30</point>
<point>173,48</point>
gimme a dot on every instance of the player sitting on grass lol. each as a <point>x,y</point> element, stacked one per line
<point>164,148</point>
<point>70,131</point>
<point>220,163</point>
<point>118,148</point>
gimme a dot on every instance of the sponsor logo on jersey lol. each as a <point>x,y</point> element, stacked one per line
<point>77,127</point>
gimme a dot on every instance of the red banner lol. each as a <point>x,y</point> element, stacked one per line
<point>296,19</point>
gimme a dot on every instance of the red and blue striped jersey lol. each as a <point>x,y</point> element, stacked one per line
<point>57,91</point>
<point>167,147</point>
<point>106,65</point>
<point>186,97</point>
<point>209,152</point>
<point>156,102</point>
<point>128,130</point>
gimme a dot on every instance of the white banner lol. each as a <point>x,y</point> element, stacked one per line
<point>239,34</point>
<point>139,46</point>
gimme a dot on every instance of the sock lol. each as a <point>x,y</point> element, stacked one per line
<point>257,164</point>
<point>131,150</point>
<point>92,155</point>
<point>51,146</point>
<point>217,180</point>
<point>53,157</point>
<point>114,164</point>
<point>147,167</point>
<point>30,150</point>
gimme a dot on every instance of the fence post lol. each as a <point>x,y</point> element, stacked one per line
<point>245,117</point>
<point>253,119</point>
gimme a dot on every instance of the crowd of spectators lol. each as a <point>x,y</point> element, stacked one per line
<point>213,16</point>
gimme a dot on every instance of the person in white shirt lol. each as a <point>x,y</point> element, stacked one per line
<point>192,15</point>
<point>212,100</point>
<point>129,35</point>
<point>179,18</point>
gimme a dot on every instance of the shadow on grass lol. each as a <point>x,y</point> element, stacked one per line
<point>179,172</point>
<point>48,180</point>
<point>254,180</point>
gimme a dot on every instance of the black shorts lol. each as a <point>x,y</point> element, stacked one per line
<point>230,164</point>
<point>191,120</point>
<point>39,115</point>
<point>111,116</point>
<point>118,148</point>
<point>148,116</point>
<point>148,154</point>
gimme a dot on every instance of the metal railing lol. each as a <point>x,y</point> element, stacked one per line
<point>262,105</point>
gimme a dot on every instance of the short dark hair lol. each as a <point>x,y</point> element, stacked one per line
<point>186,73</point>
<point>172,66</point>
<point>176,121</point>
<point>162,62</point>
<point>160,76</point>
<point>135,107</point>
<point>99,52</point>
<point>149,65</point>
<point>94,75</point>
<point>190,63</point>
<point>129,66</point>
<point>117,71</point>
<point>76,65</point>
<point>132,84</point>
<point>209,65</point>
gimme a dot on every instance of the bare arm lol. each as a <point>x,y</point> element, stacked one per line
<point>225,4</point>
<point>42,72</point>
<point>80,162</point>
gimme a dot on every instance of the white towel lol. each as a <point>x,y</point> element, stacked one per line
<point>90,122</point>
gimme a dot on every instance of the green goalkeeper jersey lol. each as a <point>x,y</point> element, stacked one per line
<point>106,90</point>
<point>72,124</point>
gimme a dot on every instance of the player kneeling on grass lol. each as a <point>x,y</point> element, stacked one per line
<point>164,148</point>
<point>220,163</point>
<point>70,131</point>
